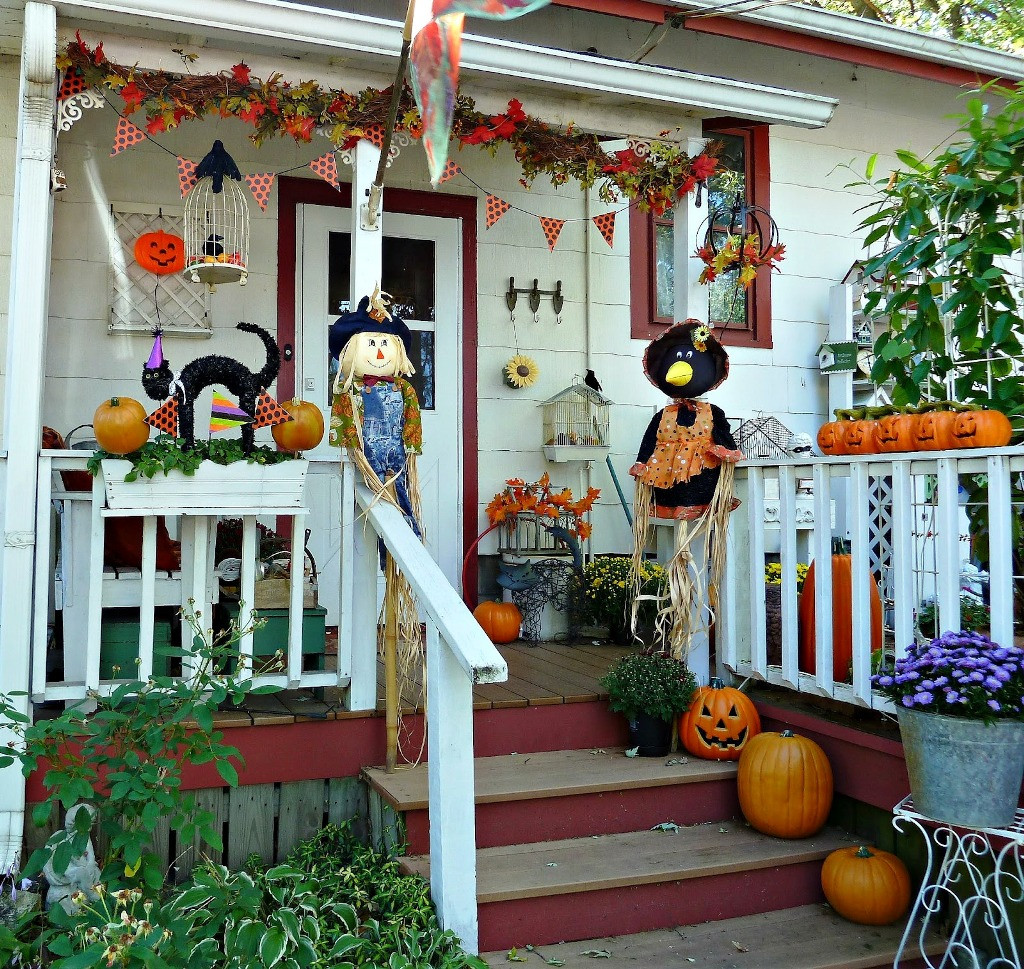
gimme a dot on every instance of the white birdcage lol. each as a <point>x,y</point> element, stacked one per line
<point>217,231</point>
<point>576,424</point>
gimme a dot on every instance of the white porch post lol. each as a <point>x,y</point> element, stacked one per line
<point>26,344</point>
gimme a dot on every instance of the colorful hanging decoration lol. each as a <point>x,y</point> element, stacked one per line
<point>326,167</point>
<point>126,136</point>
<point>552,229</point>
<point>496,208</point>
<point>217,222</point>
<point>520,372</point>
<point>450,171</point>
<point>160,253</point>
<point>186,174</point>
<point>606,226</point>
<point>260,186</point>
<point>739,238</point>
<point>269,412</point>
<point>224,414</point>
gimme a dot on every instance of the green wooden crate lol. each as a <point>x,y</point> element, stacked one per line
<point>273,634</point>
<point>119,644</point>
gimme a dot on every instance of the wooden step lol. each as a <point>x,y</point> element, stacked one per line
<point>806,937</point>
<point>638,881</point>
<point>609,793</point>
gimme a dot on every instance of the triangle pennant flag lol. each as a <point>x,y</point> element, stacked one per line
<point>224,414</point>
<point>165,418</point>
<point>326,167</point>
<point>374,134</point>
<point>606,226</point>
<point>73,83</point>
<point>260,186</point>
<point>269,412</point>
<point>186,175</point>
<point>496,208</point>
<point>450,171</point>
<point>552,228</point>
<point>127,134</point>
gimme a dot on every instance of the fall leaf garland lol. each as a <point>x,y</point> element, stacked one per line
<point>654,178</point>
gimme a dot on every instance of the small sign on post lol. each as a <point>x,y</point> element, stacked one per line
<point>838,357</point>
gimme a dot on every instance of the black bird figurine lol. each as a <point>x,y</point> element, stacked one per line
<point>592,382</point>
<point>212,246</point>
<point>216,164</point>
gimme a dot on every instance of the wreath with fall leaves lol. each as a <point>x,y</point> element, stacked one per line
<point>738,253</point>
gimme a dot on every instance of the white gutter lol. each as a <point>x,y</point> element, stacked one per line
<point>861,32</point>
<point>301,28</point>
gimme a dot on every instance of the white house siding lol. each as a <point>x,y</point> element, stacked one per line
<point>8,143</point>
<point>815,211</point>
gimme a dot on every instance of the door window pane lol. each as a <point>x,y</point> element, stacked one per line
<point>664,269</point>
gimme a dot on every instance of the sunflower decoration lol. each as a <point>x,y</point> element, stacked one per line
<point>520,372</point>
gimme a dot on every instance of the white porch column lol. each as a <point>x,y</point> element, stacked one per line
<point>367,244</point>
<point>26,345</point>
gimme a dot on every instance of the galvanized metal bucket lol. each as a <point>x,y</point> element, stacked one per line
<point>962,771</point>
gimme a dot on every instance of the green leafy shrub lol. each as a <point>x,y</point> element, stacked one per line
<point>974,615</point>
<point>650,683</point>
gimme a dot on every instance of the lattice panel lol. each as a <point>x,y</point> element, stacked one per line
<point>141,301</point>
<point>880,532</point>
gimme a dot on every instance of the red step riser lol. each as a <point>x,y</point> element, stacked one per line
<point>643,908</point>
<point>556,726</point>
<point>581,815</point>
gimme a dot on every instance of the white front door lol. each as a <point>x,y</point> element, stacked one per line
<point>422,272</point>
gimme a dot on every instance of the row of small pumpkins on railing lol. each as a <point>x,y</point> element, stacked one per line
<point>936,426</point>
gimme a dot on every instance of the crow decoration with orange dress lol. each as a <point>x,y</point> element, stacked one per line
<point>684,471</point>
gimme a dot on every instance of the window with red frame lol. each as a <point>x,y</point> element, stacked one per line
<point>742,317</point>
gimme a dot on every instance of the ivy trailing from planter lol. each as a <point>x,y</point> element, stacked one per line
<point>165,454</point>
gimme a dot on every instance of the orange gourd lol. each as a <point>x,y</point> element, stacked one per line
<point>500,620</point>
<point>830,438</point>
<point>982,428</point>
<point>859,437</point>
<point>896,433</point>
<point>785,785</point>
<point>160,253</point>
<point>304,431</point>
<point>120,425</point>
<point>935,431</point>
<point>719,723</point>
<point>842,623</point>
<point>866,886</point>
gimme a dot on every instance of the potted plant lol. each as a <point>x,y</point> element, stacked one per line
<point>960,700</point>
<point>773,606</point>
<point>602,596</point>
<point>651,689</point>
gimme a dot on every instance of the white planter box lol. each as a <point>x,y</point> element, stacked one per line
<point>240,487</point>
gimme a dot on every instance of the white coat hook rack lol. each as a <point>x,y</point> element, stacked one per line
<point>534,294</point>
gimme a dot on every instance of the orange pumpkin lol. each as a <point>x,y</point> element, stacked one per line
<point>830,438</point>
<point>935,431</point>
<point>785,785</point>
<point>982,428</point>
<point>719,723</point>
<point>500,620</point>
<point>120,425</point>
<point>859,437</point>
<point>160,252</point>
<point>896,433</point>
<point>866,886</point>
<point>842,624</point>
<point>304,431</point>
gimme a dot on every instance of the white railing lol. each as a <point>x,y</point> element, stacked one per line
<point>903,518</point>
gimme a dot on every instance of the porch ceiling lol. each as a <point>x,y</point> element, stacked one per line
<point>276,27</point>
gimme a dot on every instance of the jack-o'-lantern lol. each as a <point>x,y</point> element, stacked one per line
<point>830,438</point>
<point>982,428</point>
<point>160,253</point>
<point>895,433</point>
<point>719,722</point>
<point>935,431</point>
<point>859,437</point>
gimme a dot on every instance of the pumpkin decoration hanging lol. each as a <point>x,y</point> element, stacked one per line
<point>719,723</point>
<point>160,253</point>
<point>120,425</point>
<point>866,885</point>
<point>500,620</point>
<point>785,785</point>
<point>304,431</point>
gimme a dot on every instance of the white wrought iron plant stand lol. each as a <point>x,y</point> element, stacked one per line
<point>971,875</point>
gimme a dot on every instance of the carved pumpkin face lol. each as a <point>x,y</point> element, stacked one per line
<point>935,431</point>
<point>160,253</point>
<point>895,432</point>
<point>719,722</point>
<point>982,428</point>
<point>859,437</point>
<point>830,438</point>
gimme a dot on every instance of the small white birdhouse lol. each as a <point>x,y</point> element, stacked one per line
<point>576,424</point>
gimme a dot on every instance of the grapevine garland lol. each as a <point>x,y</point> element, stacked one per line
<point>655,180</point>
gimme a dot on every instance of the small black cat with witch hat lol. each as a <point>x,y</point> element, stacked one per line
<point>684,470</point>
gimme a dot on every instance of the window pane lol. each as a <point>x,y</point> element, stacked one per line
<point>339,258</point>
<point>729,179</point>
<point>409,277</point>
<point>664,269</point>
<point>727,301</point>
<point>421,354</point>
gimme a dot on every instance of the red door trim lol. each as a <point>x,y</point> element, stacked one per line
<point>298,191</point>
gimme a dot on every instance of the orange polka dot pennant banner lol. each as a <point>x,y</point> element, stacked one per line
<point>606,226</point>
<point>326,167</point>
<point>374,134</point>
<point>496,208</point>
<point>186,175</point>
<point>260,185</point>
<point>72,84</point>
<point>127,134</point>
<point>450,171</point>
<point>165,417</point>
<point>269,412</point>
<point>552,229</point>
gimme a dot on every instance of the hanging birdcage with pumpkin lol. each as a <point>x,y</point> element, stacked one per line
<point>576,424</point>
<point>217,222</point>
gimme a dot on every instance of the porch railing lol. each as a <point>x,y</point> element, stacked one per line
<point>905,518</point>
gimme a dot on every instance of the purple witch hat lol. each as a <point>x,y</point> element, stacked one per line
<point>156,356</point>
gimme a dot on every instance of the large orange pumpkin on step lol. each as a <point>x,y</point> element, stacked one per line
<point>784,784</point>
<point>865,885</point>
<point>842,623</point>
<point>160,253</point>
<point>120,425</point>
<point>982,428</point>
<point>304,431</point>
<point>719,723</point>
<point>500,620</point>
